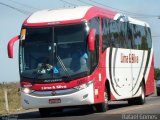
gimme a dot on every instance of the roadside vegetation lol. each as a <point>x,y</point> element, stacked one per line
<point>156,73</point>
<point>13,98</point>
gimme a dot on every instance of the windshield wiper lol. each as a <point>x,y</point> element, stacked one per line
<point>63,67</point>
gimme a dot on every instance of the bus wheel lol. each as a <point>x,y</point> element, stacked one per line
<point>138,100</point>
<point>44,112</point>
<point>103,107</point>
<point>158,93</point>
<point>131,101</point>
<point>141,100</point>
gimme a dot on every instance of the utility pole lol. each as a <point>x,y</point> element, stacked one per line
<point>6,99</point>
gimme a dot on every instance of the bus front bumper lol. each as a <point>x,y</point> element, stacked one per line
<point>81,97</point>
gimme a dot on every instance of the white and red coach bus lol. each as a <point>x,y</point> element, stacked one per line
<point>83,56</point>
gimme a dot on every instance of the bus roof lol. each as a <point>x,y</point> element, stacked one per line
<point>54,15</point>
<point>74,14</point>
<point>66,15</point>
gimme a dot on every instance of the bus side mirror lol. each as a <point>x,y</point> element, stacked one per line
<point>10,46</point>
<point>91,40</point>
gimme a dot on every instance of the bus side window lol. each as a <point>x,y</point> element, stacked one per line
<point>144,44</point>
<point>142,37</point>
<point>115,40</point>
<point>95,23</point>
<point>129,36</point>
<point>117,34</point>
<point>137,37</point>
<point>105,34</point>
<point>113,33</point>
<point>121,32</point>
<point>148,35</point>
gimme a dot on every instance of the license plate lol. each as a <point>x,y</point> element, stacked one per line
<point>53,101</point>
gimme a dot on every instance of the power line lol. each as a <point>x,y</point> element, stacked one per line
<point>72,4</point>
<point>86,3</point>
<point>133,13</point>
<point>119,10</point>
<point>17,9</point>
<point>68,3</point>
<point>24,5</point>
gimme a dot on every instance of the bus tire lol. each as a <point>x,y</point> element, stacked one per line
<point>138,100</point>
<point>141,99</point>
<point>158,93</point>
<point>103,107</point>
<point>131,101</point>
<point>44,112</point>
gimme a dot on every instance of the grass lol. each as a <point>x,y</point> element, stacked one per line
<point>13,98</point>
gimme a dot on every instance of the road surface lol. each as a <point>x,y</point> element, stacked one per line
<point>117,111</point>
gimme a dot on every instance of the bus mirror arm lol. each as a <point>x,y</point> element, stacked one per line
<point>91,40</point>
<point>11,44</point>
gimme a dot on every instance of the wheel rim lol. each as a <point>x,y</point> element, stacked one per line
<point>106,97</point>
<point>143,96</point>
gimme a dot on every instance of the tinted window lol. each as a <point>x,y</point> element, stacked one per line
<point>105,34</point>
<point>114,34</point>
<point>123,40</point>
<point>142,37</point>
<point>125,35</point>
<point>129,35</point>
<point>148,36</point>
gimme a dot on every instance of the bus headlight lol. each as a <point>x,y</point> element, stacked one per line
<point>83,86</point>
<point>26,90</point>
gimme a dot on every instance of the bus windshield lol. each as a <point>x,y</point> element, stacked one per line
<point>58,52</point>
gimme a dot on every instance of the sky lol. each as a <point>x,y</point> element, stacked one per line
<point>11,21</point>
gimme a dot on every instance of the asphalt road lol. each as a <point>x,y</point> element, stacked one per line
<point>117,111</point>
